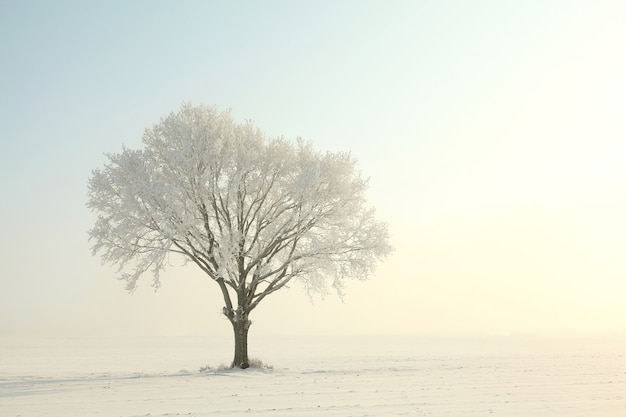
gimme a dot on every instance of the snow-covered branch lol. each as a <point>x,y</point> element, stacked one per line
<point>253,213</point>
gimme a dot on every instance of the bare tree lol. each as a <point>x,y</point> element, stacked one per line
<point>253,213</point>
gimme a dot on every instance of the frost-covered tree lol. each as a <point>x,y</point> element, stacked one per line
<point>254,213</point>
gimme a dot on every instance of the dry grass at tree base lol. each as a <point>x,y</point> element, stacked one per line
<point>255,364</point>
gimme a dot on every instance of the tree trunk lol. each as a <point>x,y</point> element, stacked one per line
<point>240,327</point>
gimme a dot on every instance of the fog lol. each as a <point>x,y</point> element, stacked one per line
<point>492,135</point>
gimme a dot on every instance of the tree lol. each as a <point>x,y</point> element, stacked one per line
<point>253,213</point>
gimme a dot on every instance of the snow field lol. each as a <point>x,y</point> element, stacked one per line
<point>340,377</point>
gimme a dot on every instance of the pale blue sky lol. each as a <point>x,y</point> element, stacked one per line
<point>493,134</point>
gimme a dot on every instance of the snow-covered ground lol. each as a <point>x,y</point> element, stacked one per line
<point>326,376</point>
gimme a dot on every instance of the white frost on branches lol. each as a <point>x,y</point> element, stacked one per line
<point>253,213</point>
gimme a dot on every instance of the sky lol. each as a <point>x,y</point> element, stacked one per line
<point>492,133</point>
